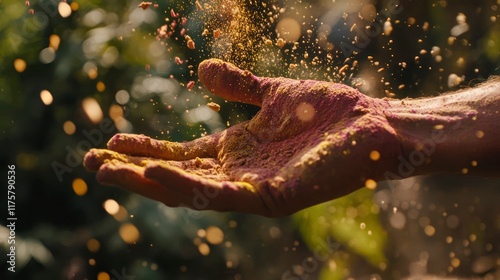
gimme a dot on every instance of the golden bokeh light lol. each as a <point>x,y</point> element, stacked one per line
<point>93,245</point>
<point>201,233</point>
<point>100,86</point>
<point>20,65</point>
<point>54,41</point>
<point>289,29</point>
<point>370,184</point>
<point>305,112</point>
<point>93,73</point>
<point>74,6</point>
<point>129,233</point>
<point>429,230</point>
<point>115,112</point>
<point>92,110</point>
<point>103,276</point>
<point>374,155</point>
<point>121,215</point>
<point>64,9</point>
<point>69,127</point>
<point>46,97</point>
<point>79,187</point>
<point>472,237</point>
<point>214,235</point>
<point>233,224</point>
<point>204,249</point>
<point>111,206</point>
<point>479,134</point>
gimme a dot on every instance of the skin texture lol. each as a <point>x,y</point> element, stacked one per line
<point>311,142</point>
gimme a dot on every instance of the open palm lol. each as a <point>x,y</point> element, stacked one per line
<point>312,141</point>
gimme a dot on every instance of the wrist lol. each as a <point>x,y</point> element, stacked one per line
<point>455,133</point>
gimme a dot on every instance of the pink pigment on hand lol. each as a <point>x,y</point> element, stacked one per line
<point>310,142</point>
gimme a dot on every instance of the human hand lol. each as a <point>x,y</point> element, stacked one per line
<point>312,141</point>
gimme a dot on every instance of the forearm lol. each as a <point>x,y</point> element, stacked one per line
<point>457,132</point>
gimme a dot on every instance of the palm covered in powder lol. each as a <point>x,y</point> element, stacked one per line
<point>312,141</point>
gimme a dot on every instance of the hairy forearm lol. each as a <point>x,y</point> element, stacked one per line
<point>457,132</point>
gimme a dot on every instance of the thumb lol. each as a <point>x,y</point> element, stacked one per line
<point>231,83</point>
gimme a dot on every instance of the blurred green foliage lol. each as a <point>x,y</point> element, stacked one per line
<point>353,221</point>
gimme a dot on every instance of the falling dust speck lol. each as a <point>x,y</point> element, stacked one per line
<point>145,5</point>
<point>213,106</point>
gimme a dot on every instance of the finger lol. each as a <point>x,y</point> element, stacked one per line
<point>206,167</point>
<point>207,194</point>
<point>141,145</point>
<point>231,83</point>
<point>131,177</point>
<point>97,157</point>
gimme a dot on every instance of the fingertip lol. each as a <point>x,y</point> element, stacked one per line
<point>90,161</point>
<point>120,140</point>
<point>208,63</point>
<point>114,141</point>
<point>230,82</point>
<point>136,145</point>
